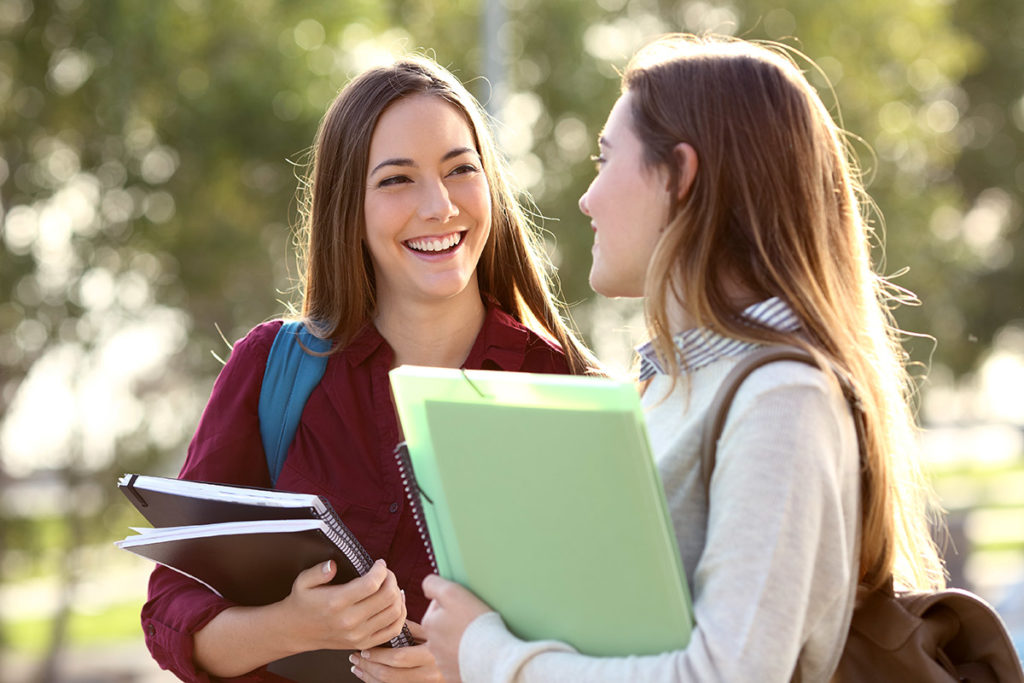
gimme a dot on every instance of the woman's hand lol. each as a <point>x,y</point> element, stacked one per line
<point>413,664</point>
<point>357,615</point>
<point>451,610</point>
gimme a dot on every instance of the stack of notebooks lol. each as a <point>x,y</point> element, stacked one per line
<point>246,545</point>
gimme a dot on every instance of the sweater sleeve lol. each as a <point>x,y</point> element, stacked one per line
<point>226,448</point>
<point>779,551</point>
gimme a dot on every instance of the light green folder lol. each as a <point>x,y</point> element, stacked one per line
<point>540,494</point>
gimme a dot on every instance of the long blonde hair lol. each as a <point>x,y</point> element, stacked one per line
<point>337,279</point>
<point>777,207</point>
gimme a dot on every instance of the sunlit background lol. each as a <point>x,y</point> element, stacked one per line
<point>148,162</point>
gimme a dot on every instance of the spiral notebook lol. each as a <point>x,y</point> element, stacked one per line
<point>248,545</point>
<point>540,494</point>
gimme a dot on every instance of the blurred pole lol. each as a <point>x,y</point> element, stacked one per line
<point>495,16</point>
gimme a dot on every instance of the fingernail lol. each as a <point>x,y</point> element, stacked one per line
<point>365,654</point>
<point>357,673</point>
<point>327,567</point>
<point>352,658</point>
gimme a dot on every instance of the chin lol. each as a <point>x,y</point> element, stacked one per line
<point>601,286</point>
<point>444,291</point>
<point>613,290</point>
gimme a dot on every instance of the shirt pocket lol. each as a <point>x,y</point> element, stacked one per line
<point>370,514</point>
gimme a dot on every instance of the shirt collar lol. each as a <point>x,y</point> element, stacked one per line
<point>365,342</point>
<point>501,343</point>
<point>700,346</point>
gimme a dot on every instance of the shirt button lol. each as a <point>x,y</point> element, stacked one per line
<point>393,507</point>
<point>150,629</point>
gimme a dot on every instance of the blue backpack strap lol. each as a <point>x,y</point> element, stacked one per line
<point>289,379</point>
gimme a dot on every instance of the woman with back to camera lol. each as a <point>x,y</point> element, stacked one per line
<point>726,198</point>
<point>417,252</point>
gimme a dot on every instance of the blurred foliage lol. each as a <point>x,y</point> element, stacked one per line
<point>987,279</point>
<point>117,623</point>
<point>149,153</point>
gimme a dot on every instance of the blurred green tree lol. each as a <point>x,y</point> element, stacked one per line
<point>987,279</point>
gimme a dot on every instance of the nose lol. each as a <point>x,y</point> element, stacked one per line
<point>583,203</point>
<point>436,203</point>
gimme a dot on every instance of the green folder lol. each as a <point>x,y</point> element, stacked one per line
<point>540,494</point>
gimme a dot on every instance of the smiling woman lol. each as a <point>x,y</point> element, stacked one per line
<point>428,215</point>
<point>415,252</point>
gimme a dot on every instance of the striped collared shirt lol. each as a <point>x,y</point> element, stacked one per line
<point>700,346</point>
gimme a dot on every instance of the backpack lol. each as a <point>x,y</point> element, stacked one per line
<point>935,636</point>
<point>291,375</point>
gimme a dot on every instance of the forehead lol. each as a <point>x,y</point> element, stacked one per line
<point>620,118</point>
<point>420,125</point>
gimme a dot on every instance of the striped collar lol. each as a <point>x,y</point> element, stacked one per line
<point>700,346</point>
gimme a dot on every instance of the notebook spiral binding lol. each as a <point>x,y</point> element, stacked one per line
<point>362,561</point>
<point>413,492</point>
<point>357,555</point>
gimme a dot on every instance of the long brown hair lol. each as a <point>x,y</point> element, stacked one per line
<point>777,207</point>
<point>337,278</point>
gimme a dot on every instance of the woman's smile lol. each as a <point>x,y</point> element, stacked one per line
<point>435,245</point>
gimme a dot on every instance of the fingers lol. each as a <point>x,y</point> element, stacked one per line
<point>396,657</point>
<point>365,596</point>
<point>369,583</point>
<point>434,586</point>
<point>387,629</point>
<point>359,614</point>
<point>445,593</point>
<point>418,634</point>
<point>374,619</point>
<point>360,588</point>
<point>452,608</point>
<point>316,576</point>
<point>399,664</point>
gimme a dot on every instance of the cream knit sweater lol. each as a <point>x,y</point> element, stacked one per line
<point>770,563</point>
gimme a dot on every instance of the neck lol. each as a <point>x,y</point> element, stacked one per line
<point>680,320</point>
<point>438,334</point>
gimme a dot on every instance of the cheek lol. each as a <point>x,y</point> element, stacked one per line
<point>475,199</point>
<point>384,215</point>
<point>371,217</point>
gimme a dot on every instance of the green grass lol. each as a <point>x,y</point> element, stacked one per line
<point>115,623</point>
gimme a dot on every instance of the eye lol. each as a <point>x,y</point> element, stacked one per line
<point>464,169</point>
<point>394,180</point>
<point>598,160</point>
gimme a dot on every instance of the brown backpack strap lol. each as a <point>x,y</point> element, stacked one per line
<point>720,405</point>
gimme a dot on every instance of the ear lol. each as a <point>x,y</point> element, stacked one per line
<point>686,162</point>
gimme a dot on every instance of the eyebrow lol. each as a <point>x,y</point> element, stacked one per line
<point>451,154</point>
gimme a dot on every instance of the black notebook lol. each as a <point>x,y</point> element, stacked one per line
<point>248,545</point>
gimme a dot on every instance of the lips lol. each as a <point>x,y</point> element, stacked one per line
<point>435,244</point>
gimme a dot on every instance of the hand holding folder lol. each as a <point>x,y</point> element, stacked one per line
<point>539,493</point>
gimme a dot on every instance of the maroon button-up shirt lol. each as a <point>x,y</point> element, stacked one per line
<point>343,450</point>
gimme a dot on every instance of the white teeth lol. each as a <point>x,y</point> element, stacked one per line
<point>434,243</point>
